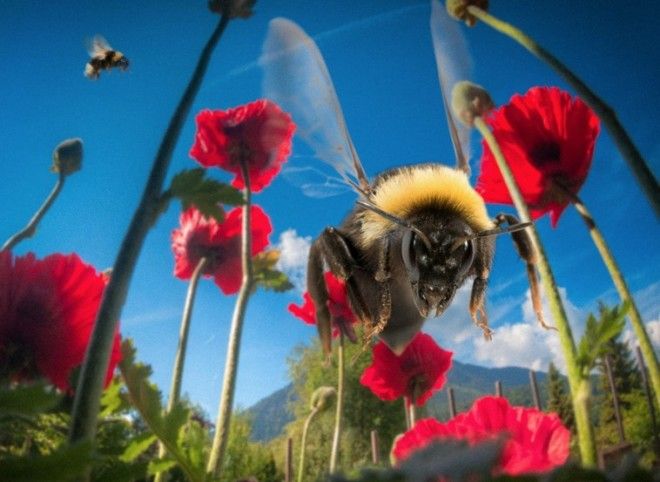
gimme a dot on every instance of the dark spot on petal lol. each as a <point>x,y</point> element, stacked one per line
<point>545,153</point>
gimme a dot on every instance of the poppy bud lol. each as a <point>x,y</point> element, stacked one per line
<point>233,8</point>
<point>67,156</point>
<point>323,398</point>
<point>469,100</point>
<point>458,10</point>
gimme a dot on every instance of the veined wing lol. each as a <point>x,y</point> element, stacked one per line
<point>97,45</point>
<point>297,78</point>
<point>454,65</point>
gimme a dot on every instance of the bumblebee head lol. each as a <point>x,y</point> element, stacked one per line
<point>120,61</point>
<point>437,256</point>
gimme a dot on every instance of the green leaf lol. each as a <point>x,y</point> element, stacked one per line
<point>138,446</point>
<point>112,401</point>
<point>207,195</point>
<point>62,465</point>
<point>160,465</point>
<point>265,274</point>
<point>597,333</point>
<point>27,400</point>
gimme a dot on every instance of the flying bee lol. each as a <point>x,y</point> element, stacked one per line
<point>416,233</point>
<point>103,57</point>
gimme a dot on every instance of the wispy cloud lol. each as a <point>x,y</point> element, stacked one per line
<point>155,316</point>
<point>294,250</point>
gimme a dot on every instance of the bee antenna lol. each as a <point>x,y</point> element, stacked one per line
<point>498,231</point>
<point>397,220</point>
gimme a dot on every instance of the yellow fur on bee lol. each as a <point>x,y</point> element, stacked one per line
<point>414,188</point>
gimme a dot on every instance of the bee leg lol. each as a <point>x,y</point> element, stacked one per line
<point>335,250</point>
<point>382,277</point>
<point>477,302</point>
<point>525,249</point>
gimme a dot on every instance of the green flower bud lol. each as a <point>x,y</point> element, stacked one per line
<point>323,398</point>
<point>469,100</point>
<point>67,156</point>
<point>458,10</point>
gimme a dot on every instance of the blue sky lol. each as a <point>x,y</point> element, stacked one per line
<point>380,57</point>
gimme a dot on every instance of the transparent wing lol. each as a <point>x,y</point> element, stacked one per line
<point>313,182</point>
<point>454,64</point>
<point>97,45</point>
<point>296,77</point>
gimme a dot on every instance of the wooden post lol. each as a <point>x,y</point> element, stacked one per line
<point>288,461</point>
<point>649,398</point>
<point>498,388</point>
<point>615,398</point>
<point>452,402</point>
<point>375,456</point>
<point>535,390</point>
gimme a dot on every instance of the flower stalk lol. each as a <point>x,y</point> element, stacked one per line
<point>223,422</point>
<point>179,360</point>
<point>31,227</point>
<point>303,443</point>
<point>88,393</point>
<point>334,455</point>
<point>621,138</point>
<point>624,292</point>
<point>579,385</point>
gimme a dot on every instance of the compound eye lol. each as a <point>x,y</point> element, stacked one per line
<point>409,255</point>
<point>468,250</point>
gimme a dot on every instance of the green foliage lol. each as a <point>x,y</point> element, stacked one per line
<point>60,465</point>
<point>27,400</point>
<point>597,333</point>
<point>265,274</point>
<point>558,399</point>
<point>363,412</point>
<point>174,429</point>
<point>193,188</point>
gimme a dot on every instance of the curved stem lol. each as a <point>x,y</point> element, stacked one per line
<point>621,138</point>
<point>179,360</point>
<point>334,455</point>
<point>303,444</point>
<point>624,292</point>
<point>580,386</point>
<point>223,422</point>
<point>88,392</point>
<point>31,227</point>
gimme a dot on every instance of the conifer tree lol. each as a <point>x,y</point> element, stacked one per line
<point>558,399</point>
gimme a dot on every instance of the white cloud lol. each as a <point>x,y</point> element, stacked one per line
<point>294,251</point>
<point>652,328</point>
<point>155,316</point>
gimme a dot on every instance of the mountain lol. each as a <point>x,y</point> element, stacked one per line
<point>469,382</point>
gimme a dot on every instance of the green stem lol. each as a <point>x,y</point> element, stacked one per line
<point>413,414</point>
<point>334,455</point>
<point>179,360</point>
<point>303,444</point>
<point>621,138</point>
<point>579,385</point>
<point>31,227</point>
<point>95,366</point>
<point>223,422</point>
<point>624,292</point>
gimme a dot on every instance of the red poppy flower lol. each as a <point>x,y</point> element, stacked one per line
<point>548,140</point>
<point>258,133</point>
<point>419,372</point>
<point>47,314</point>
<point>537,441</point>
<point>340,310</point>
<point>220,243</point>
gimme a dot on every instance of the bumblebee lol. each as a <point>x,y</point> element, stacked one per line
<point>103,57</point>
<point>416,234</point>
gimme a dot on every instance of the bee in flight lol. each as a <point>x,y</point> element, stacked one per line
<point>416,233</point>
<point>103,57</point>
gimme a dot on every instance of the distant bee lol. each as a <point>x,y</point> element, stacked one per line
<point>103,57</point>
<point>416,233</point>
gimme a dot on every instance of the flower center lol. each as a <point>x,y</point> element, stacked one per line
<point>545,153</point>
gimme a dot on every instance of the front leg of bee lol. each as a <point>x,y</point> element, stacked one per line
<point>525,249</point>
<point>333,249</point>
<point>482,265</point>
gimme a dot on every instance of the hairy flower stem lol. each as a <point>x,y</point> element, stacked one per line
<point>303,444</point>
<point>31,227</point>
<point>580,386</point>
<point>621,138</point>
<point>223,421</point>
<point>179,360</point>
<point>334,455</point>
<point>88,392</point>
<point>624,292</point>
